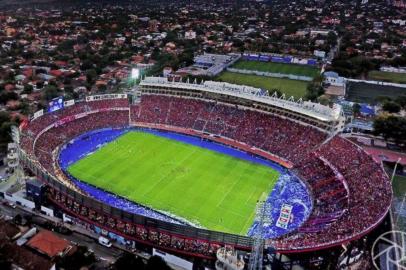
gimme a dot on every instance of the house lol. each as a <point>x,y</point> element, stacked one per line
<point>335,85</point>
<point>333,78</point>
<point>167,71</point>
<point>49,244</point>
<point>21,257</point>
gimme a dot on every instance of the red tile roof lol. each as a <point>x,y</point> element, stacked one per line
<point>48,243</point>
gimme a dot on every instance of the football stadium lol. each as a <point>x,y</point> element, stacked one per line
<point>183,166</point>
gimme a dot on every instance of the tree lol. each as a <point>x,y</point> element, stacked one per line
<point>50,92</point>
<point>25,107</point>
<point>156,262</point>
<point>128,261</point>
<point>6,96</point>
<point>82,257</point>
<point>331,38</point>
<point>391,106</point>
<point>382,99</point>
<point>401,100</point>
<point>39,84</point>
<point>391,127</point>
<point>5,262</point>
<point>313,91</point>
<point>356,109</point>
<point>18,219</point>
<point>91,75</point>
<point>323,100</point>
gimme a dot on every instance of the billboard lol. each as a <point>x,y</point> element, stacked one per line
<point>55,104</point>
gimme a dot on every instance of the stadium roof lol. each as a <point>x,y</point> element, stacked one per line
<point>314,110</point>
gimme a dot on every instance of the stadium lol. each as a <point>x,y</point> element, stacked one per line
<point>181,166</point>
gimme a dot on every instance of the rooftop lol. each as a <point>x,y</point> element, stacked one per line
<point>48,243</point>
<point>315,110</point>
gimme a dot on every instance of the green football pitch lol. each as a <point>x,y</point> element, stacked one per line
<point>387,76</point>
<point>295,69</point>
<point>294,88</point>
<point>210,189</point>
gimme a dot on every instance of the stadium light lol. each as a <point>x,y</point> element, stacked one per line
<point>135,73</point>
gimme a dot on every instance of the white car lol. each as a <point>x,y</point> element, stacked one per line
<point>105,241</point>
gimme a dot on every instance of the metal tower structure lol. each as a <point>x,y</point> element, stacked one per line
<point>14,155</point>
<point>262,218</point>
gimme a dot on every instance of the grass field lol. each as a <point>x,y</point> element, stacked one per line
<point>215,190</point>
<point>399,185</point>
<point>294,69</point>
<point>387,76</point>
<point>368,93</point>
<point>293,88</point>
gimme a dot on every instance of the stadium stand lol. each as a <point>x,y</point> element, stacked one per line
<point>351,193</point>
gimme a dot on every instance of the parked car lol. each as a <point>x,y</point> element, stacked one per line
<point>105,241</point>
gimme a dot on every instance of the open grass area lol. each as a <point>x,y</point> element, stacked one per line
<point>399,185</point>
<point>294,69</point>
<point>387,76</point>
<point>369,93</point>
<point>215,190</point>
<point>293,88</point>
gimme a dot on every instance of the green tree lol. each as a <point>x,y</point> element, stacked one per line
<point>313,91</point>
<point>25,108</point>
<point>50,92</point>
<point>91,75</point>
<point>5,262</point>
<point>128,261</point>
<point>81,258</point>
<point>331,38</point>
<point>391,128</point>
<point>356,109</point>
<point>391,106</point>
<point>6,96</point>
<point>323,100</point>
<point>156,262</point>
<point>401,100</point>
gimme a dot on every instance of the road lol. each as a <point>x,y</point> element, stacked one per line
<point>104,253</point>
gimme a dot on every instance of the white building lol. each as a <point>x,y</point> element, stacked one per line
<point>190,34</point>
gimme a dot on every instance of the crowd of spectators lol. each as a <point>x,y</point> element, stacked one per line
<point>350,191</point>
<point>280,136</point>
<point>51,139</point>
<point>47,119</point>
<point>369,196</point>
<point>330,197</point>
<point>138,232</point>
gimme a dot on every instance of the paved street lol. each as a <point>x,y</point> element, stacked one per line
<point>100,251</point>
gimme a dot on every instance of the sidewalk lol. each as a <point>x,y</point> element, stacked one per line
<point>80,230</point>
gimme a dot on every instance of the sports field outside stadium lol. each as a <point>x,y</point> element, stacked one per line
<point>295,69</point>
<point>294,88</point>
<point>211,189</point>
<point>387,76</point>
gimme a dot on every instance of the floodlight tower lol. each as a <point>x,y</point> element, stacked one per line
<point>134,77</point>
<point>262,218</point>
<point>133,81</point>
<point>14,154</point>
<point>135,73</point>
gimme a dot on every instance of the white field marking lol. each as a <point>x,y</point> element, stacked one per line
<point>169,172</point>
<point>105,163</point>
<point>229,190</point>
<point>231,211</point>
<point>246,221</point>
